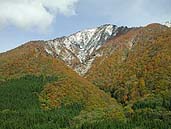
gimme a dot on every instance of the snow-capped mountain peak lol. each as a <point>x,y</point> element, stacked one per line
<point>168,24</point>
<point>79,49</point>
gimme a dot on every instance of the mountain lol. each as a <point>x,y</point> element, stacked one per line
<point>125,80</point>
<point>79,50</point>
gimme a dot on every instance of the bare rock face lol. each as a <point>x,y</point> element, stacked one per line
<point>79,50</point>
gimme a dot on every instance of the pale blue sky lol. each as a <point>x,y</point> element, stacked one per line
<point>86,14</point>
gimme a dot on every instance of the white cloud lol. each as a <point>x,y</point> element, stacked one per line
<point>40,14</point>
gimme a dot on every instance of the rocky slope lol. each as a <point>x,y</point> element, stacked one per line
<point>79,50</point>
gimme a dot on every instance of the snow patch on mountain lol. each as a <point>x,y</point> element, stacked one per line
<point>168,24</point>
<point>79,50</point>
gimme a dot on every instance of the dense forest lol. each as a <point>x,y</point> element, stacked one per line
<point>20,108</point>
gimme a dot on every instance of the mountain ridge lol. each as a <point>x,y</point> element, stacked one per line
<point>78,50</point>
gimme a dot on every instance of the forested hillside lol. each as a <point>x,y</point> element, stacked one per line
<point>139,77</point>
<point>38,91</point>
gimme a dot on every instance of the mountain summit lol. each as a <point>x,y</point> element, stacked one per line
<point>79,49</point>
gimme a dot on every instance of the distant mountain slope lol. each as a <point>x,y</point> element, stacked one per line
<point>79,50</point>
<point>136,64</point>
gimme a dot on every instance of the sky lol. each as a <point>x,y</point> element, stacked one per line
<point>26,20</point>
